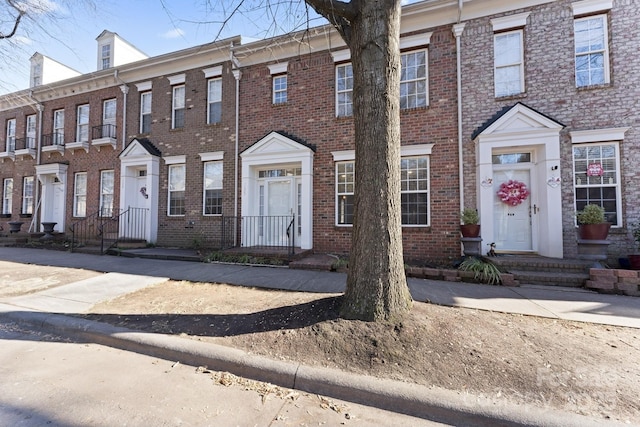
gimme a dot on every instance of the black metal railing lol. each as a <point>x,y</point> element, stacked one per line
<point>103,131</point>
<point>52,139</point>
<point>25,143</point>
<point>259,232</point>
<point>107,227</point>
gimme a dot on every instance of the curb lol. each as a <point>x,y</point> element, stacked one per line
<point>431,403</point>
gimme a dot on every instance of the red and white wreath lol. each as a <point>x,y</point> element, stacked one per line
<point>513,192</point>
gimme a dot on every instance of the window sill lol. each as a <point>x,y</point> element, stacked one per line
<point>5,215</point>
<point>522,95</point>
<point>594,87</point>
<point>25,215</point>
<point>176,129</point>
<point>414,109</point>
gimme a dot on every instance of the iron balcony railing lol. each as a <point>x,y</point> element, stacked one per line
<point>103,131</point>
<point>107,227</point>
<point>259,232</point>
<point>52,139</point>
<point>25,143</point>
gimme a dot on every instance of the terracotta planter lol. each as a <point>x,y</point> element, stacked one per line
<point>594,231</point>
<point>470,230</point>
<point>634,261</point>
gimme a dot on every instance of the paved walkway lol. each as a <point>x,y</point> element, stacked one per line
<point>57,282</point>
<point>134,273</point>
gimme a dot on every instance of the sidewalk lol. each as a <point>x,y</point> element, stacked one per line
<point>79,285</point>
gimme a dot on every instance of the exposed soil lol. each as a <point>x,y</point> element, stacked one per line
<point>584,368</point>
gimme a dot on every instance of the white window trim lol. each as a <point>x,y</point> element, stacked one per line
<point>280,68</point>
<point>427,191</point>
<point>426,75</point>
<point>344,91</point>
<point>11,133</point>
<point>142,113</point>
<point>105,120</point>
<point>144,86</point>
<point>76,194</point>
<point>341,55</point>
<point>508,22</point>
<point>25,204</point>
<point>204,188</point>
<point>178,79</point>
<point>58,130</point>
<point>591,6</point>
<point>408,42</point>
<point>173,104</point>
<point>7,197</point>
<point>183,164</point>
<point>102,193</point>
<point>209,102</point>
<point>172,160</point>
<point>618,183</point>
<point>274,91</point>
<point>605,51</point>
<point>520,63</point>
<point>597,135</point>
<point>337,195</point>
<point>78,124</point>
<point>416,150</point>
<point>211,156</point>
<point>212,72</point>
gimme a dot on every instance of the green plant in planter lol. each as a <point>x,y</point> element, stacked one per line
<point>635,231</point>
<point>469,216</point>
<point>591,214</point>
<point>484,270</point>
<point>592,223</point>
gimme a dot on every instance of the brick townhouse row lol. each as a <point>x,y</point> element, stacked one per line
<point>541,93</point>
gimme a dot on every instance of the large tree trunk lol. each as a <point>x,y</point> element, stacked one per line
<point>376,283</point>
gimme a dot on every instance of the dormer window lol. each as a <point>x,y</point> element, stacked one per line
<point>105,55</point>
<point>36,75</point>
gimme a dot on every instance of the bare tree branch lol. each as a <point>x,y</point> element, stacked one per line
<point>338,13</point>
<point>16,23</point>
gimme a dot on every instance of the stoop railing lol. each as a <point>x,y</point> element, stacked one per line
<point>259,232</point>
<point>106,228</point>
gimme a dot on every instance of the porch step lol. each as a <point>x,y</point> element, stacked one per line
<point>536,270</point>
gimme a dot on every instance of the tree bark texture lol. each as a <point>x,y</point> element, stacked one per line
<point>376,283</point>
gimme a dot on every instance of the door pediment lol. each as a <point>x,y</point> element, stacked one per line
<point>140,148</point>
<point>278,144</point>
<point>516,120</point>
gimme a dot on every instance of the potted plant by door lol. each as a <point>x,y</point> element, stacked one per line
<point>592,224</point>
<point>634,259</point>
<point>470,220</point>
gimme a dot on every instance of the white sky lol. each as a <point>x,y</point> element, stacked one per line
<point>153,26</point>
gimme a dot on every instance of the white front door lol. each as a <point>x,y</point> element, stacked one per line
<point>278,206</point>
<point>512,218</point>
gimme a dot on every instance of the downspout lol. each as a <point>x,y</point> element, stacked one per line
<point>36,181</point>
<point>457,31</point>
<point>237,74</point>
<point>125,90</point>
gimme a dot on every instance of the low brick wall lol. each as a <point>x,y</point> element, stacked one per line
<point>614,281</point>
<point>450,275</point>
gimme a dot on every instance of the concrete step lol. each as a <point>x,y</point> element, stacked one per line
<point>531,263</point>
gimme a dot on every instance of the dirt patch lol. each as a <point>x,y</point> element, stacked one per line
<point>584,368</point>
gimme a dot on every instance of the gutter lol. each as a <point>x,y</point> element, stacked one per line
<point>125,90</point>
<point>237,74</point>
<point>457,31</point>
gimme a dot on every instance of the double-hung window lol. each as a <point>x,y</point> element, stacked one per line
<point>508,63</point>
<point>7,196</point>
<point>145,112</point>
<point>105,56</point>
<point>212,188</point>
<point>109,119</point>
<point>214,101</point>
<point>177,185</point>
<point>80,195</point>
<point>344,90</point>
<point>31,132</point>
<point>596,170</point>
<point>106,192</point>
<point>414,185</point>
<point>11,136</point>
<point>413,79</point>
<point>591,51</point>
<point>58,127</point>
<point>27,195</point>
<point>345,184</point>
<point>414,188</point>
<point>82,123</point>
<point>178,107</point>
<point>280,89</point>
